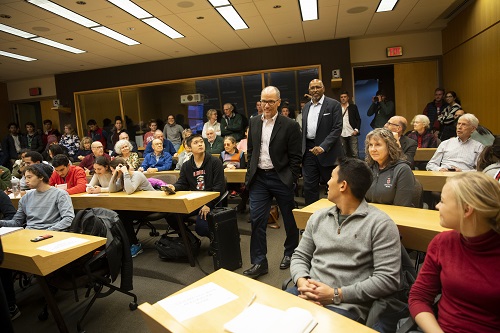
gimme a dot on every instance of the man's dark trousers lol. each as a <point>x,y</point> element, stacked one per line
<point>267,185</point>
<point>313,171</point>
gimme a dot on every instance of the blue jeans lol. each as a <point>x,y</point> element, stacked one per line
<point>263,188</point>
<point>346,313</point>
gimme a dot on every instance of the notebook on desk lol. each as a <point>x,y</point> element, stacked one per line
<point>265,319</point>
<point>7,230</point>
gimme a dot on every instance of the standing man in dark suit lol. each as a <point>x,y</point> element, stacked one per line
<point>351,124</point>
<point>321,145</point>
<point>273,167</point>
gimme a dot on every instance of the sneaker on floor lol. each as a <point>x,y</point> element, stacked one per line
<point>136,249</point>
<point>14,312</point>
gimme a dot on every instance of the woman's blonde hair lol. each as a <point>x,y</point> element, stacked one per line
<point>395,152</point>
<point>480,192</point>
<point>211,112</point>
<point>85,139</point>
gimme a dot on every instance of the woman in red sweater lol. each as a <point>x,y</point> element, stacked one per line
<point>463,265</point>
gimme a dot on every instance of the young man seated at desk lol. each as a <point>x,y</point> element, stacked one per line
<point>203,172</point>
<point>69,177</point>
<point>349,254</point>
<point>45,208</point>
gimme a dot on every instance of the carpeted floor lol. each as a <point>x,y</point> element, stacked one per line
<point>154,279</point>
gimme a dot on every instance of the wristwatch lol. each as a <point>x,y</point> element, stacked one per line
<point>336,296</point>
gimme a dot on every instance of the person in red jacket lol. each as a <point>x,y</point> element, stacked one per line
<point>462,264</point>
<point>72,176</point>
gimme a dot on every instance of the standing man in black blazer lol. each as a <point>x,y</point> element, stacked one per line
<point>351,124</point>
<point>321,145</point>
<point>273,167</point>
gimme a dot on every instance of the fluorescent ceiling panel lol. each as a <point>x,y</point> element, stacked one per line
<point>16,56</point>
<point>232,17</point>
<point>57,45</point>
<point>386,5</point>
<point>66,13</point>
<point>115,35</point>
<point>309,9</point>
<point>131,8</point>
<point>217,3</point>
<point>162,27</point>
<point>16,32</point>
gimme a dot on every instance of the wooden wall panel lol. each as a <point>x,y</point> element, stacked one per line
<point>472,70</point>
<point>414,86</point>
<point>479,16</point>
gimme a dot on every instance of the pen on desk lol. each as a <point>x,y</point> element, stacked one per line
<point>254,296</point>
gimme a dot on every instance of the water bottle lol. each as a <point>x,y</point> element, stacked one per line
<point>16,186</point>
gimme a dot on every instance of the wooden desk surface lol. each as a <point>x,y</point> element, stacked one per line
<point>424,154</point>
<point>432,180</point>
<point>159,320</point>
<point>23,255</point>
<point>416,226</point>
<point>157,201</point>
<point>232,176</point>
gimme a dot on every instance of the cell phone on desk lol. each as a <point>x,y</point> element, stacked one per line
<point>167,189</point>
<point>452,169</point>
<point>41,238</point>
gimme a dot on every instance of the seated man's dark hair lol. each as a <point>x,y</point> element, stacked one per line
<point>41,170</point>
<point>35,156</point>
<point>56,149</point>
<point>29,123</point>
<point>59,160</point>
<point>91,122</point>
<point>357,174</point>
<point>12,124</point>
<point>190,139</point>
<point>47,121</point>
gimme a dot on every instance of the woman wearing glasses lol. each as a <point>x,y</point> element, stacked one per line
<point>447,117</point>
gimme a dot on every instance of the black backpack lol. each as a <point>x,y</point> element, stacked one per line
<point>173,249</point>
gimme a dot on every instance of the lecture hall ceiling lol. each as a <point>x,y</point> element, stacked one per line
<point>204,29</point>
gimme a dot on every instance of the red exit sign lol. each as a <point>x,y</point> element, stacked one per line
<point>395,51</point>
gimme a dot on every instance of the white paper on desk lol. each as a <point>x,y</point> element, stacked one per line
<point>62,186</point>
<point>8,230</point>
<point>63,244</point>
<point>265,319</point>
<point>196,301</point>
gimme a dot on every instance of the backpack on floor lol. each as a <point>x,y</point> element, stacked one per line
<point>172,248</point>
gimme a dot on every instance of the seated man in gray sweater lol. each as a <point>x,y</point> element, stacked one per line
<point>349,254</point>
<point>46,208</point>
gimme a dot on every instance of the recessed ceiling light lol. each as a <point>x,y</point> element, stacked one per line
<point>386,5</point>
<point>16,32</point>
<point>55,44</point>
<point>16,56</point>
<point>309,9</point>
<point>232,17</point>
<point>131,8</point>
<point>185,4</point>
<point>115,35</point>
<point>162,27</point>
<point>131,28</point>
<point>66,13</point>
<point>217,3</point>
<point>12,48</point>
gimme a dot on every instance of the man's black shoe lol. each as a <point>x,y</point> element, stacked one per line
<point>256,270</point>
<point>285,262</point>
